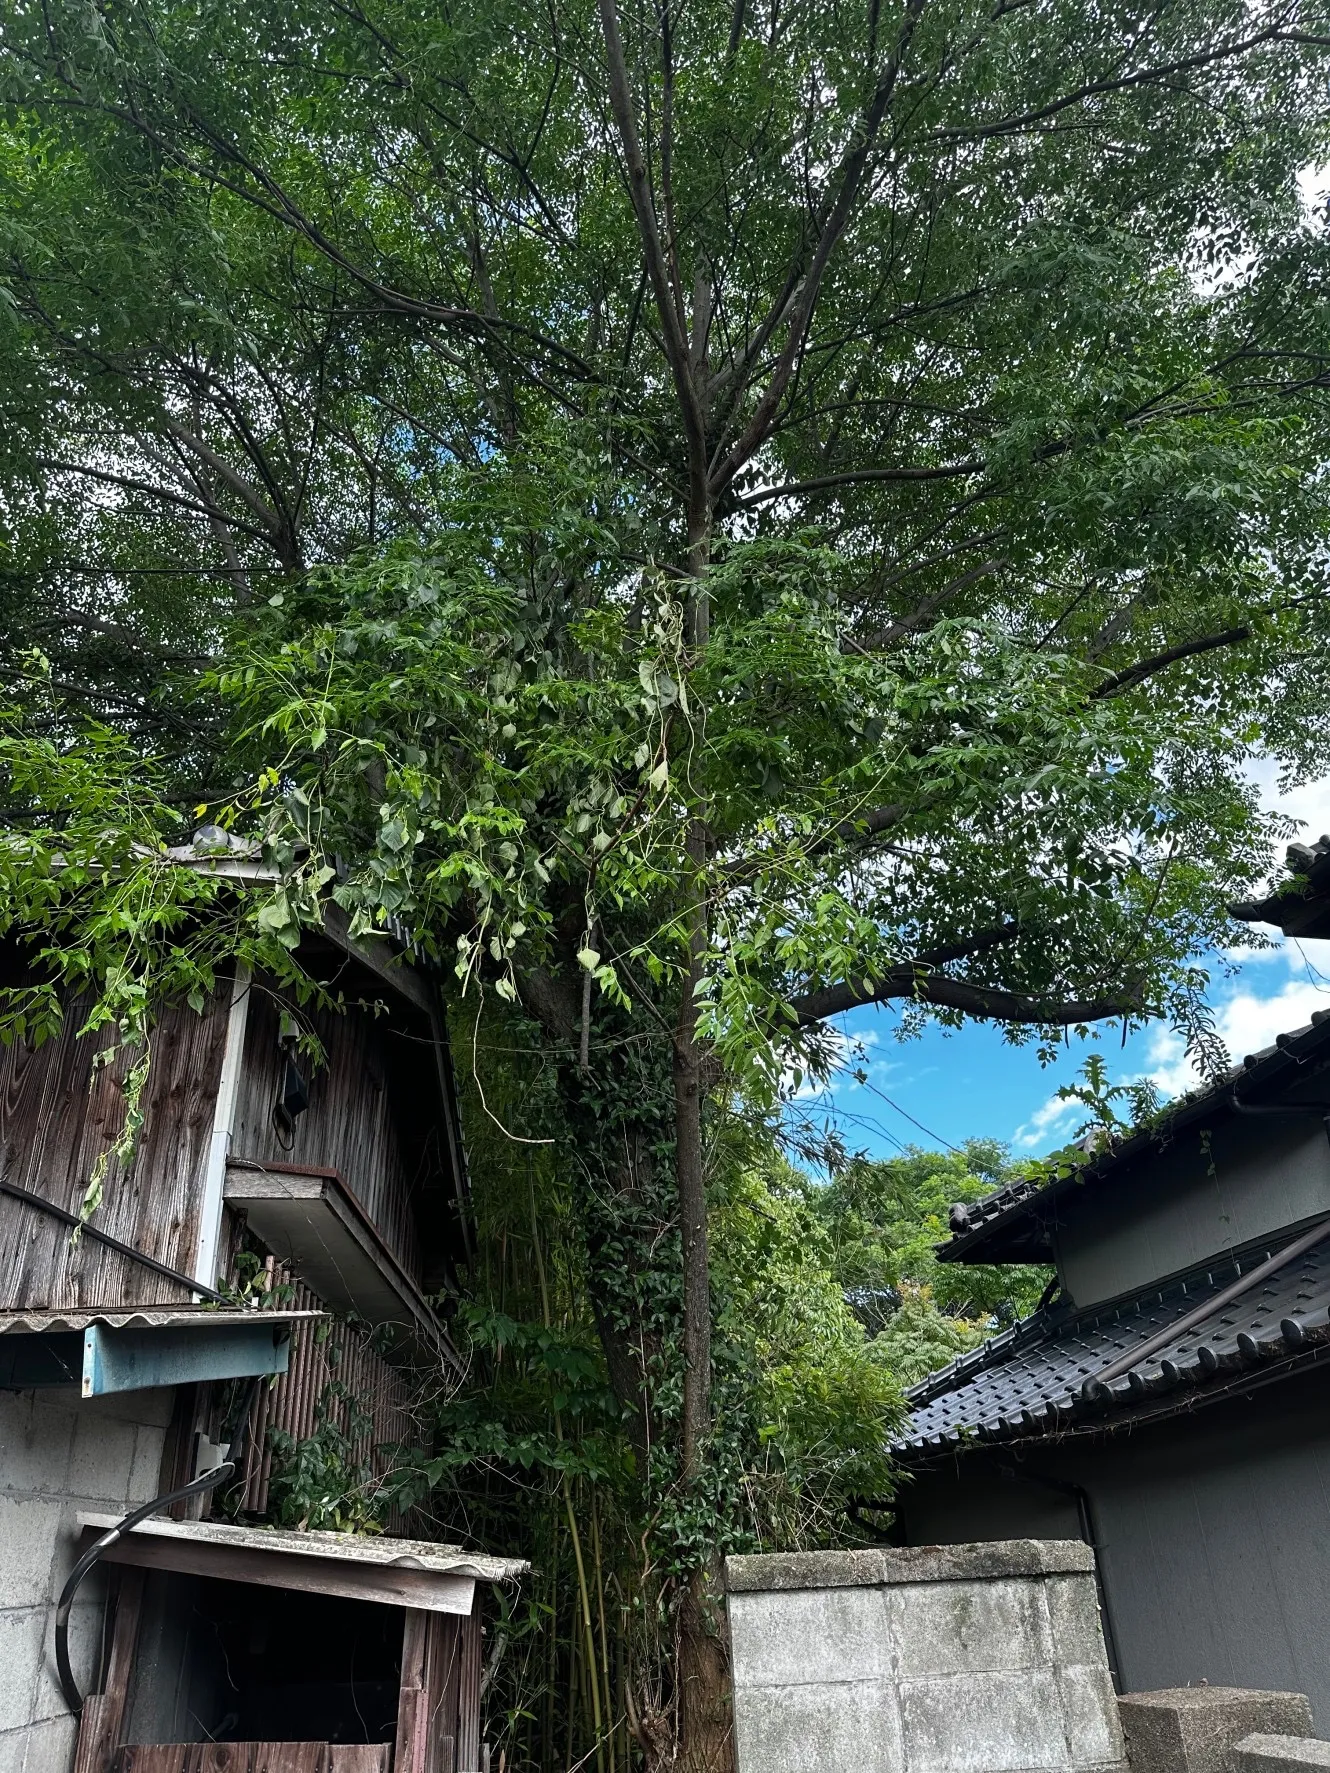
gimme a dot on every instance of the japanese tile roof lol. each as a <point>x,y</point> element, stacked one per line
<point>1029,1382</point>
<point>1301,908</point>
<point>1012,1224</point>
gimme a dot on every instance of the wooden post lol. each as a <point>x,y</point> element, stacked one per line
<point>410,1754</point>
<point>103,1722</point>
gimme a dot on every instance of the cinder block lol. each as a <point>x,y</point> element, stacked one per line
<point>29,1533</point>
<point>22,1639</point>
<point>1073,1616</point>
<point>102,1459</point>
<point>983,1723</point>
<point>821,1634</point>
<point>944,1628</point>
<point>816,1635</point>
<point>35,1439</point>
<point>49,1748</point>
<point>1279,1754</point>
<point>1090,1714</point>
<point>1192,1729</point>
<point>13,1746</point>
<point>86,1622</point>
<point>146,1470</point>
<point>849,1727</point>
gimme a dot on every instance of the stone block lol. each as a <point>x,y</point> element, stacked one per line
<point>983,1723</point>
<point>13,1747</point>
<point>847,1727</point>
<point>102,1459</point>
<point>22,1641</point>
<point>1279,1754</point>
<point>944,1628</point>
<point>1073,1617</point>
<point>1090,1714</point>
<point>35,1440</point>
<point>819,1634</point>
<point>29,1533</point>
<point>1192,1729</point>
<point>49,1748</point>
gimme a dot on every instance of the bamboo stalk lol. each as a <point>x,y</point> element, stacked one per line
<point>593,1679</point>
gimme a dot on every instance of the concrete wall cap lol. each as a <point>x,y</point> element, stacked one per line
<point>1203,1698</point>
<point>1287,1754</point>
<point>890,1565</point>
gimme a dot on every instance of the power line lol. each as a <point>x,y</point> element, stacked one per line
<point>913,1122</point>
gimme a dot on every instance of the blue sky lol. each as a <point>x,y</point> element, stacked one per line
<point>972,1084</point>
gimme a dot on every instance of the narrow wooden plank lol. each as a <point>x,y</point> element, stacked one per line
<point>360,1757</point>
<point>410,1751</point>
<point>102,1724</point>
<point>442,1673</point>
<point>223,1757</point>
<point>93,1754</point>
<point>155,1757</point>
<point>290,1757</point>
<point>468,1694</point>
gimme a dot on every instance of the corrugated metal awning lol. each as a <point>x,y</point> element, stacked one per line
<point>141,1317</point>
<point>142,1349</point>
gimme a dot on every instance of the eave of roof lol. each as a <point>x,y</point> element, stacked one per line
<point>1030,1383</point>
<point>1009,1226</point>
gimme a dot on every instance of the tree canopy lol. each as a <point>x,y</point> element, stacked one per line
<point>708,517</point>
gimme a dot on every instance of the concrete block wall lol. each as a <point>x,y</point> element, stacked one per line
<point>60,1453</point>
<point>938,1659</point>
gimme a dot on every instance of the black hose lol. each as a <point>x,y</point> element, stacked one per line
<point>93,1555</point>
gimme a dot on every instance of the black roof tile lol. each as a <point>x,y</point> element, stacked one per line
<point>1031,1379</point>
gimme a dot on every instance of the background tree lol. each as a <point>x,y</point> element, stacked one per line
<point>713,517</point>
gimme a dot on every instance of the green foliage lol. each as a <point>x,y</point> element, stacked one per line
<point>883,1220</point>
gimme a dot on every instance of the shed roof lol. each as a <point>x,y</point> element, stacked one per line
<point>1012,1224</point>
<point>358,1566</point>
<point>1027,1384</point>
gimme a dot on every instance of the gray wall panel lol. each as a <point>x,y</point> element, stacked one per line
<point>1213,1533</point>
<point>1189,1201</point>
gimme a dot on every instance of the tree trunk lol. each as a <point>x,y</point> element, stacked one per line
<point>706,1714</point>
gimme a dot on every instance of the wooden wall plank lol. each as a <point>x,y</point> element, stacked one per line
<point>353,1122</point>
<point>360,1757</point>
<point>468,1724</point>
<point>57,1113</point>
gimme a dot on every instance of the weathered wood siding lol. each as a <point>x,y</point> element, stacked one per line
<point>334,1375</point>
<point>358,1102</point>
<point>57,1113</point>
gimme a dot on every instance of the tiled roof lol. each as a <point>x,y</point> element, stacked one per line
<point>1302,909</point>
<point>1009,1225</point>
<point>1030,1381</point>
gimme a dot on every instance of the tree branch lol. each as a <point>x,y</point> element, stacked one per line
<point>795,489</point>
<point>987,1002</point>
<point>1134,674</point>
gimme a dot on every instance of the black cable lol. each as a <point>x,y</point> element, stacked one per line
<point>93,1555</point>
<point>113,1243</point>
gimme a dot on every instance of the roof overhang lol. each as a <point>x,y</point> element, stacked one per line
<point>311,1220</point>
<point>1013,1224</point>
<point>139,1350</point>
<point>391,1572</point>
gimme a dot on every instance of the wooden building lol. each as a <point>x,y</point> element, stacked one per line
<point>273,1257</point>
<point>1170,1403</point>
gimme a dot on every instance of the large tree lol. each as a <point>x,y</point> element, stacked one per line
<point>711,516</point>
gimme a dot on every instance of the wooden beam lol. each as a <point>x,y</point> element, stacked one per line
<point>390,1585</point>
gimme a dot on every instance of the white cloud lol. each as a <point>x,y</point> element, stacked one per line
<point>1054,1118</point>
<point>1246,1022</point>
